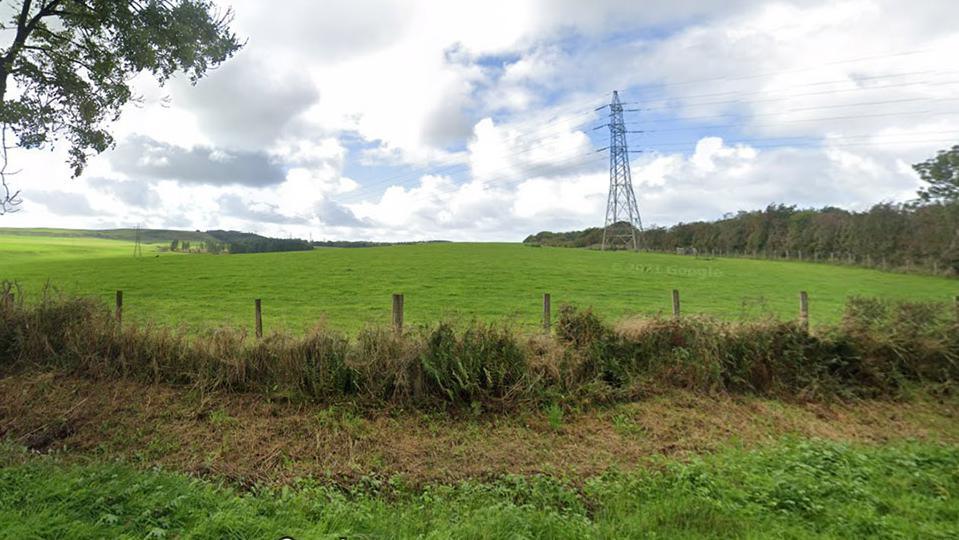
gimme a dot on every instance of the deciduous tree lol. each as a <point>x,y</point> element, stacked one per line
<point>65,73</point>
<point>942,175</point>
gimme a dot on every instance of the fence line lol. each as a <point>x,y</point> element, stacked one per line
<point>399,304</point>
<point>927,266</point>
<point>804,310</point>
<point>398,313</point>
<point>258,317</point>
<point>547,316</point>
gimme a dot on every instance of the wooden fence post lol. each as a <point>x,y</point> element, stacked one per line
<point>547,319</point>
<point>118,312</point>
<point>398,313</point>
<point>956,300</point>
<point>804,310</point>
<point>258,317</point>
<point>676,303</point>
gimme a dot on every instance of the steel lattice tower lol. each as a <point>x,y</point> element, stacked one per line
<point>137,248</point>
<point>622,212</point>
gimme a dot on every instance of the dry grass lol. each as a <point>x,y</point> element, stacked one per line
<point>877,351</point>
<point>247,439</point>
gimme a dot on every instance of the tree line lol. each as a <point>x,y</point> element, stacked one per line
<point>238,242</point>
<point>921,234</point>
<point>207,246</point>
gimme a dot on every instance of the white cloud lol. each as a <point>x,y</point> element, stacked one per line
<point>472,120</point>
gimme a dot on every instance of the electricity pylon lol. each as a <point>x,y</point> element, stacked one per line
<point>622,212</point>
<point>137,248</point>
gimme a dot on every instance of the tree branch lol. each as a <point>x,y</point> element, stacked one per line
<point>9,200</point>
<point>58,57</point>
<point>24,29</point>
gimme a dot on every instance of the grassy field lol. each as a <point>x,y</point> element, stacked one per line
<point>351,287</point>
<point>148,236</point>
<point>82,457</point>
<point>117,459</point>
<point>793,490</point>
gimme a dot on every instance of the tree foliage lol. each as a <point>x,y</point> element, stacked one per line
<point>240,242</point>
<point>66,73</point>
<point>942,175</point>
<point>892,234</point>
<point>922,235</point>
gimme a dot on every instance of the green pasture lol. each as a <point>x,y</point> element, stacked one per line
<point>349,288</point>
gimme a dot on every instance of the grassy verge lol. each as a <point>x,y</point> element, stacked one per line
<point>878,350</point>
<point>793,490</point>
<point>249,440</point>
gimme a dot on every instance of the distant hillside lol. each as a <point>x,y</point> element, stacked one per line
<point>196,241</point>
<point>367,243</point>
<point>215,241</point>
<point>587,238</point>
<point>147,236</point>
<point>241,242</point>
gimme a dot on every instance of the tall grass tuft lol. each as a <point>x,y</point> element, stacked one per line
<point>483,363</point>
<point>877,349</point>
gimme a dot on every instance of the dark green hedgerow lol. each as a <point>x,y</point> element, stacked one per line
<point>877,349</point>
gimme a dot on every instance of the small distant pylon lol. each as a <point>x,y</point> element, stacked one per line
<point>137,247</point>
<point>622,213</point>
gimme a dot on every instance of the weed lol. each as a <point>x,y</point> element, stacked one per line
<point>554,415</point>
<point>221,418</point>
<point>626,425</point>
<point>878,350</point>
<point>796,489</point>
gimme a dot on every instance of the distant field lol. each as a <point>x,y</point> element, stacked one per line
<point>352,287</point>
<point>161,236</point>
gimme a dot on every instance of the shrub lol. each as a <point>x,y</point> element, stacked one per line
<point>484,363</point>
<point>876,349</point>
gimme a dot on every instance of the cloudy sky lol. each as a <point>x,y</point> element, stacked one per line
<point>474,120</point>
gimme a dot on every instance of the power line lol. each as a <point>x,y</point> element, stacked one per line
<point>550,140</point>
<point>516,136</point>
<point>436,171</point>
<point>780,72</point>
<point>565,167</point>
<point>578,161</point>
<point>570,123</point>
<point>825,139</point>
<point>574,161</point>
<point>846,80</point>
<point>761,143</point>
<point>803,120</point>
<point>926,83</point>
<point>557,117</point>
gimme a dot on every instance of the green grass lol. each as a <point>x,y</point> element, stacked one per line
<point>158,236</point>
<point>18,249</point>
<point>352,287</point>
<point>793,490</point>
